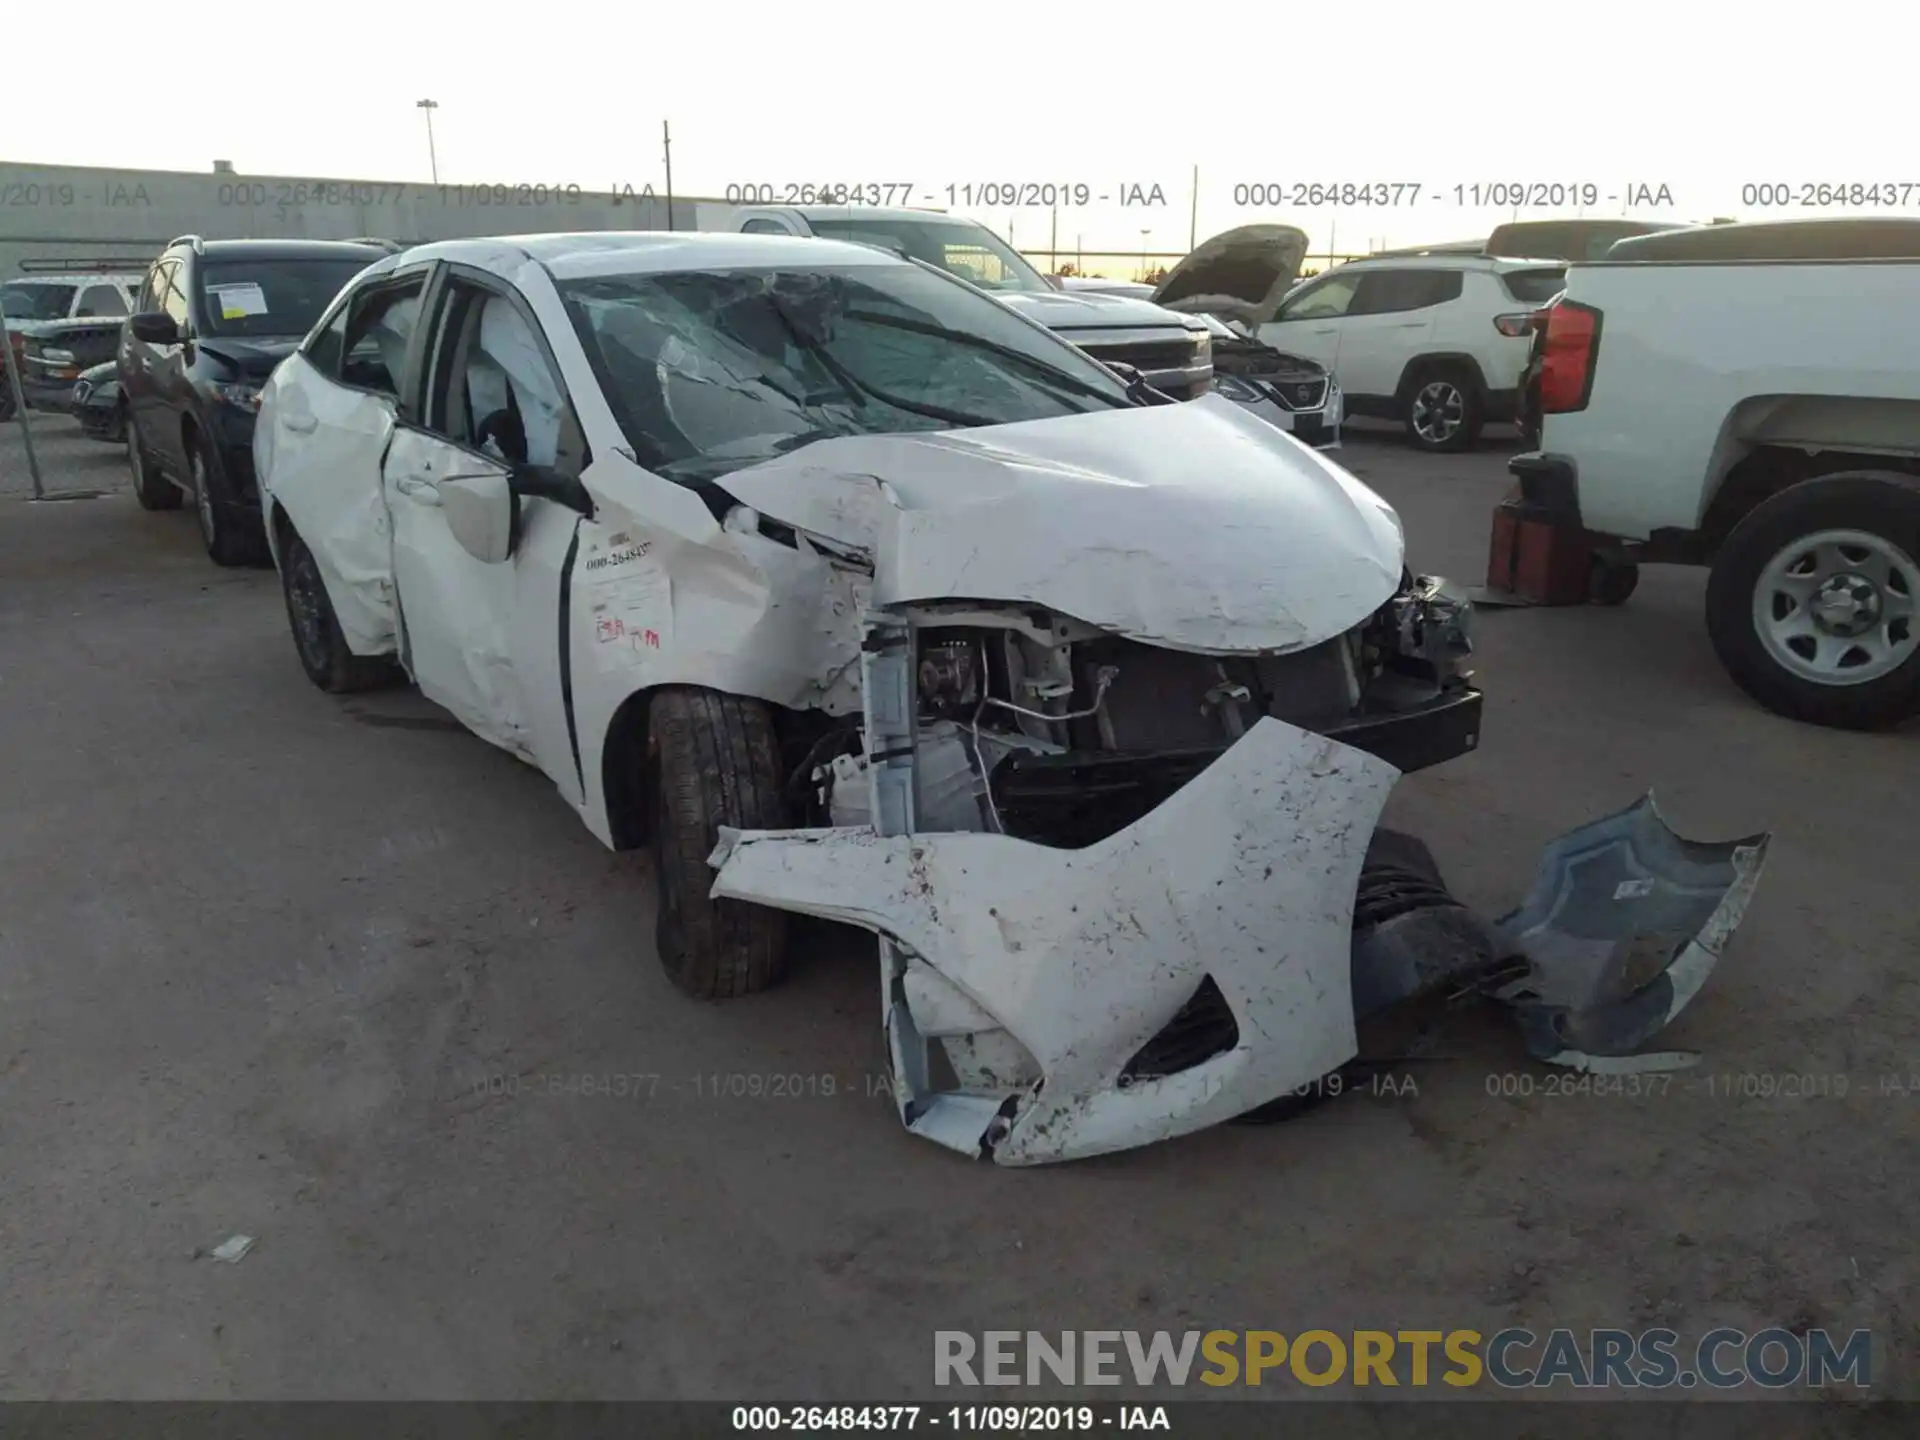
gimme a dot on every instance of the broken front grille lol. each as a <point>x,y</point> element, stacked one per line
<point>1080,798</point>
<point>1203,1028</point>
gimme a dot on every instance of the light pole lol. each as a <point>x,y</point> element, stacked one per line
<point>1143,253</point>
<point>433,159</point>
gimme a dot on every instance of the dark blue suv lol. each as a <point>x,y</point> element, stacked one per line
<point>213,319</point>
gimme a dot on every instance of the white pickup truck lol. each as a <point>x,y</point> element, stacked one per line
<point>1747,397</point>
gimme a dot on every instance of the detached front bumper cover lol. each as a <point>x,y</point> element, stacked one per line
<point>1244,879</point>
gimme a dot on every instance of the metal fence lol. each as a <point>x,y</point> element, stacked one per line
<point>1138,265</point>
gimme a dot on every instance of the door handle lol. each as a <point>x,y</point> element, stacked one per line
<point>421,492</point>
<point>301,427</point>
<point>1411,325</point>
<point>1324,330</point>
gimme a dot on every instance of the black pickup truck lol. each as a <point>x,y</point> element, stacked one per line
<point>55,352</point>
<point>62,316</point>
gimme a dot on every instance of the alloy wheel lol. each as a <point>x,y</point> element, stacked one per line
<point>1439,410</point>
<point>1839,607</point>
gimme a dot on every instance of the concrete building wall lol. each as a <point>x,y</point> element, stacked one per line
<point>51,212</point>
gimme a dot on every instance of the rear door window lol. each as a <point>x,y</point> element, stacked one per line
<point>1534,287</point>
<point>1388,292</point>
<point>380,322</point>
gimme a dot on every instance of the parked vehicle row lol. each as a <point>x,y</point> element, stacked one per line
<point>61,317</point>
<point>213,319</point>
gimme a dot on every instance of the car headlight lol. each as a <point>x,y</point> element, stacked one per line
<point>245,397</point>
<point>57,357</point>
<point>1203,349</point>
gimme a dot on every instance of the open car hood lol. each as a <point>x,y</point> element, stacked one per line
<point>1195,526</point>
<point>1240,274</point>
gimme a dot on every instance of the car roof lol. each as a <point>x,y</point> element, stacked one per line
<point>284,250</point>
<point>640,252</point>
<point>92,277</point>
<point>1850,237</point>
<point>1451,260</point>
<point>872,212</point>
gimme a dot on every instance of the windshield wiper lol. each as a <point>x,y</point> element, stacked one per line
<point>1006,352</point>
<point>856,386</point>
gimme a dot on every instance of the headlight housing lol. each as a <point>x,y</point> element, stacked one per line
<point>243,397</point>
<point>1202,348</point>
<point>57,357</point>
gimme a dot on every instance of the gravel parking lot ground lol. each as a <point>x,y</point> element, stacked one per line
<point>333,974</point>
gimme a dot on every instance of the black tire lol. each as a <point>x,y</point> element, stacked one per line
<point>715,762</point>
<point>1883,505</point>
<point>233,535</point>
<point>152,489</point>
<point>1423,409</point>
<point>317,639</point>
<point>1611,582</point>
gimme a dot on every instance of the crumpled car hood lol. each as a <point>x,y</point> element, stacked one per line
<point>1195,526</point>
<point>254,356</point>
<point>1240,274</point>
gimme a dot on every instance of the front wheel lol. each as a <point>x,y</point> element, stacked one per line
<point>1813,604</point>
<point>715,762</point>
<point>1443,411</point>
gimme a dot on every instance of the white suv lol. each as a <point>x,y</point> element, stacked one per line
<point>1435,339</point>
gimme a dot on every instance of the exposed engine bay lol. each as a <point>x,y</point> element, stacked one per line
<point>1123,892</point>
<point>1036,726</point>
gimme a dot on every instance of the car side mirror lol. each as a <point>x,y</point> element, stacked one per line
<point>156,327</point>
<point>482,512</point>
<point>555,485</point>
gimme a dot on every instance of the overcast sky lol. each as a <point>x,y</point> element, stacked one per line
<point>1701,98</point>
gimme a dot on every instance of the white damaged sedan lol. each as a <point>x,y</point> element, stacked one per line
<point>855,594</point>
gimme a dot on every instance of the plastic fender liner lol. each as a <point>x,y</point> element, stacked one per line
<point>1624,922</point>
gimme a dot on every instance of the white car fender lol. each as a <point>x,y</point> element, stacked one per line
<point>746,615</point>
